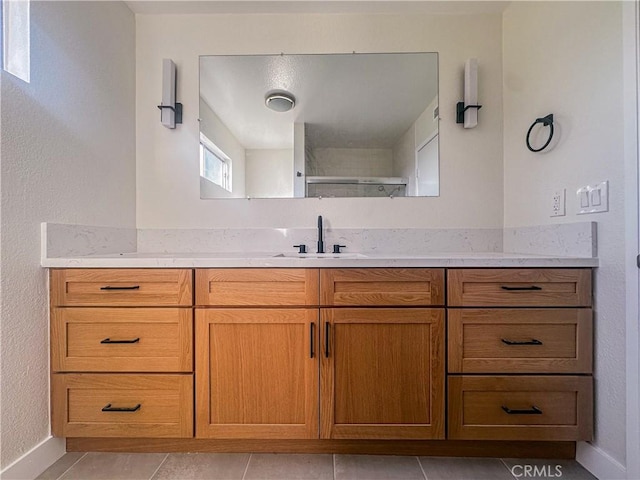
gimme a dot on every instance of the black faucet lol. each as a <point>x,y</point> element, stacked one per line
<point>320,242</point>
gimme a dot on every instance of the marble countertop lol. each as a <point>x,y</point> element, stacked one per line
<point>311,260</point>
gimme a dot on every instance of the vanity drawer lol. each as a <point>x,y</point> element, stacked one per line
<point>382,286</point>
<point>520,408</point>
<point>530,287</point>
<point>121,287</point>
<point>242,287</point>
<point>125,405</point>
<point>122,339</point>
<point>553,340</point>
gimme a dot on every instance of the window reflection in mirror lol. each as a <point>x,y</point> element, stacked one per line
<point>215,166</point>
<point>340,125</point>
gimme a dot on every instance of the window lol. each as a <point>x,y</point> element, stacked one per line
<point>15,38</point>
<point>215,166</point>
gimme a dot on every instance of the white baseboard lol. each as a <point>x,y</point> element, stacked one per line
<point>36,461</point>
<point>599,463</point>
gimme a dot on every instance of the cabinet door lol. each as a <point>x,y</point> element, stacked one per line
<point>256,373</point>
<point>382,373</point>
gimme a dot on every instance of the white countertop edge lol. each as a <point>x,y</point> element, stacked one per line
<point>441,260</point>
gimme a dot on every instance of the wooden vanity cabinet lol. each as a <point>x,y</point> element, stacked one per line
<point>383,360</point>
<point>382,373</point>
<point>256,373</point>
<point>122,353</point>
<point>519,367</point>
<point>257,364</point>
<point>323,356</point>
<point>268,367</point>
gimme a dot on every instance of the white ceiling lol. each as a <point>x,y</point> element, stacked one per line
<point>348,101</point>
<point>316,6</point>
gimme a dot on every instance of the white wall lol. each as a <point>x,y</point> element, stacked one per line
<point>167,161</point>
<point>68,155</point>
<point>631,53</point>
<point>269,173</point>
<point>565,58</point>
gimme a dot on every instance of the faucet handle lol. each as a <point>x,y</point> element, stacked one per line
<point>302,248</point>
<point>336,248</point>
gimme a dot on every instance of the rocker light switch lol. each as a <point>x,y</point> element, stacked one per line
<point>583,198</point>
<point>593,198</point>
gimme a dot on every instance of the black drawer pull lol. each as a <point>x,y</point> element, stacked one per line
<point>108,340</point>
<point>520,289</point>
<point>534,411</point>
<point>109,287</point>
<point>533,341</point>
<point>326,339</point>
<point>312,341</point>
<point>109,408</point>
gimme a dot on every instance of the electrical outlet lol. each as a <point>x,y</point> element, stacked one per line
<point>558,203</point>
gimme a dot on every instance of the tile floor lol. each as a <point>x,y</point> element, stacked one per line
<point>263,466</point>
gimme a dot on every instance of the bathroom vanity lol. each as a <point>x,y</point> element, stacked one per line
<point>425,359</point>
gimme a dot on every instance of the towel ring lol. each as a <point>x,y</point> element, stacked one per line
<point>547,122</point>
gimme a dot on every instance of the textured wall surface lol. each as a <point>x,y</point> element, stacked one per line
<point>269,173</point>
<point>68,155</point>
<point>565,58</point>
<point>168,191</point>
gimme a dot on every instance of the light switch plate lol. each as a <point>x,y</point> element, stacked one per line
<point>599,198</point>
<point>593,198</point>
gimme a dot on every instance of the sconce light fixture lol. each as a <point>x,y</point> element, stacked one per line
<point>170,111</point>
<point>467,111</point>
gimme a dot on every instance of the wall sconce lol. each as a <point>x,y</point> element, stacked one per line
<point>170,111</point>
<point>467,111</point>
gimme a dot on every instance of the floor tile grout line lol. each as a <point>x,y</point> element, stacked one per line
<point>422,468</point>
<point>507,467</point>
<point>159,466</point>
<point>244,474</point>
<point>73,465</point>
<point>333,463</point>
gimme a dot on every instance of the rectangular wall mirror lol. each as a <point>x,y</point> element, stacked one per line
<point>337,125</point>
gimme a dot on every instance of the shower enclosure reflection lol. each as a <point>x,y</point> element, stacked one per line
<point>341,125</point>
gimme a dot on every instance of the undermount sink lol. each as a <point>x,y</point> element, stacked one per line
<point>320,255</point>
